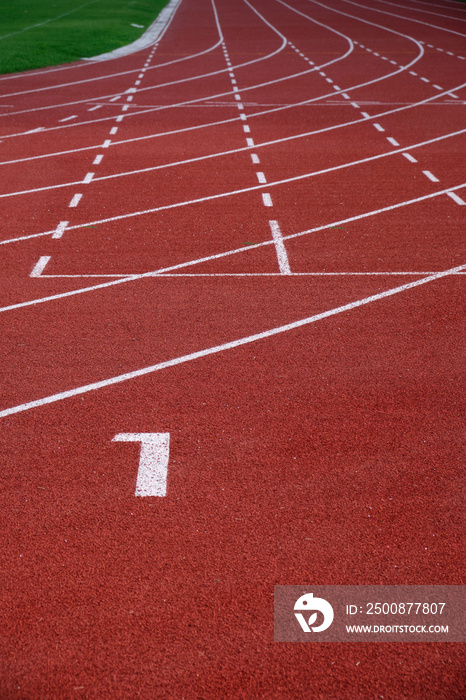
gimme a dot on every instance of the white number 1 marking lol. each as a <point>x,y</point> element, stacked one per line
<point>153,461</point>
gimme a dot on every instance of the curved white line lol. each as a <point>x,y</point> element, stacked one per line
<point>416,9</point>
<point>392,14</point>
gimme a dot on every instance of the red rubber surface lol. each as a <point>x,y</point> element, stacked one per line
<point>325,454</point>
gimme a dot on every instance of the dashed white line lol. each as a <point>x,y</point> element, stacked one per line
<point>67,119</point>
<point>250,142</point>
<point>378,127</point>
<point>261,178</point>
<point>97,159</point>
<point>114,99</point>
<point>393,141</point>
<point>246,129</point>
<point>92,109</point>
<point>255,158</point>
<point>411,158</point>
<point>240,105</point>
<point>39,266</point>
<point>75,201</point>
<point>437,87</point>
<point>455,198</point>
<point>129,98</point>
<point>365,115</point>
<point>282,257</point>
<point>267,199</point>
<point>425,80</point>
<point>113,130</point>
<point>106,143</point>
<point>119,118</point>
<point>88,178</point>
<point>60,229</point>
<point>428,174</point>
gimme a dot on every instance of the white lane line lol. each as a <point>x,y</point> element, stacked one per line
<point>114,99</point>
<point>93,109</point>
<point>137,82</point>
<point>113,130</point>
<point>67,119</point>
<point>355,105</point>
<point>378,127</point>
<point>39,266</point>
<point>119,118</point>
<point>246,129</point>
<point>282,257</point>
<point>218,256</point>
<point>237,97</point>
<point>437,87</point>
<point>410,157</point>
<point>366,115</point>
<point>97,159</point>
<point>425,80</point>
<point>75,201</point>
<point>329,80</point>
<point>60,229</point>
<point>229,345</point>
<point>250,143</point>
<point>345,96</point>
<point>411,72</point>
<point>34,131</point>
<point>255,158</point>
<point>124,108</point>
<point>106,143</point>
<point>267,199</point>
<point>242,116</point>
<point>240,105</point>
<point>153,462</point>
<point>261,177</point>
<point>428,174</point>
<point>129,98</point>
<point>336,87</point>
<point>141,75</point>
<point>393,141</point>
<point>455,198</point>
<point>88,178</point>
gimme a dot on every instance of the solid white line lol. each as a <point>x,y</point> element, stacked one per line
<point>75,201</point>
<point>455,198</point>
<point>428,174</point>
<point>39,266</point>
<point>282,257</point>
<point>60,229</point>
<point>267,199</point>
<point>410,157</point>
<point>226,346</point>
<point>233,192</point>
<point>217,256</point>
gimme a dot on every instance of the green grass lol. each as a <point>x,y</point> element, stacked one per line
<point>86,28</point>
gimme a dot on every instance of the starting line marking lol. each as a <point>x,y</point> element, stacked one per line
<point>226,346</point>
<point>153,462</point>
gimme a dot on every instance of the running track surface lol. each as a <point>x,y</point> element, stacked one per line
<point>177,221</point>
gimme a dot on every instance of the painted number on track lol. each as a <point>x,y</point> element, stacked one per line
<point>153,461</point>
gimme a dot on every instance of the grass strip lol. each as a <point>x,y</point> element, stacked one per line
<point>39,33</point>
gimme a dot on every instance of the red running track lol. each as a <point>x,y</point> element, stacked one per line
<point>248,236</point>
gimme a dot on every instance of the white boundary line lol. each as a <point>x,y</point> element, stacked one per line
<point>226,346</point>
<point>407,19</point>
<point>420,9</point>
<point>216,256</point>
<point>271,183</point>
